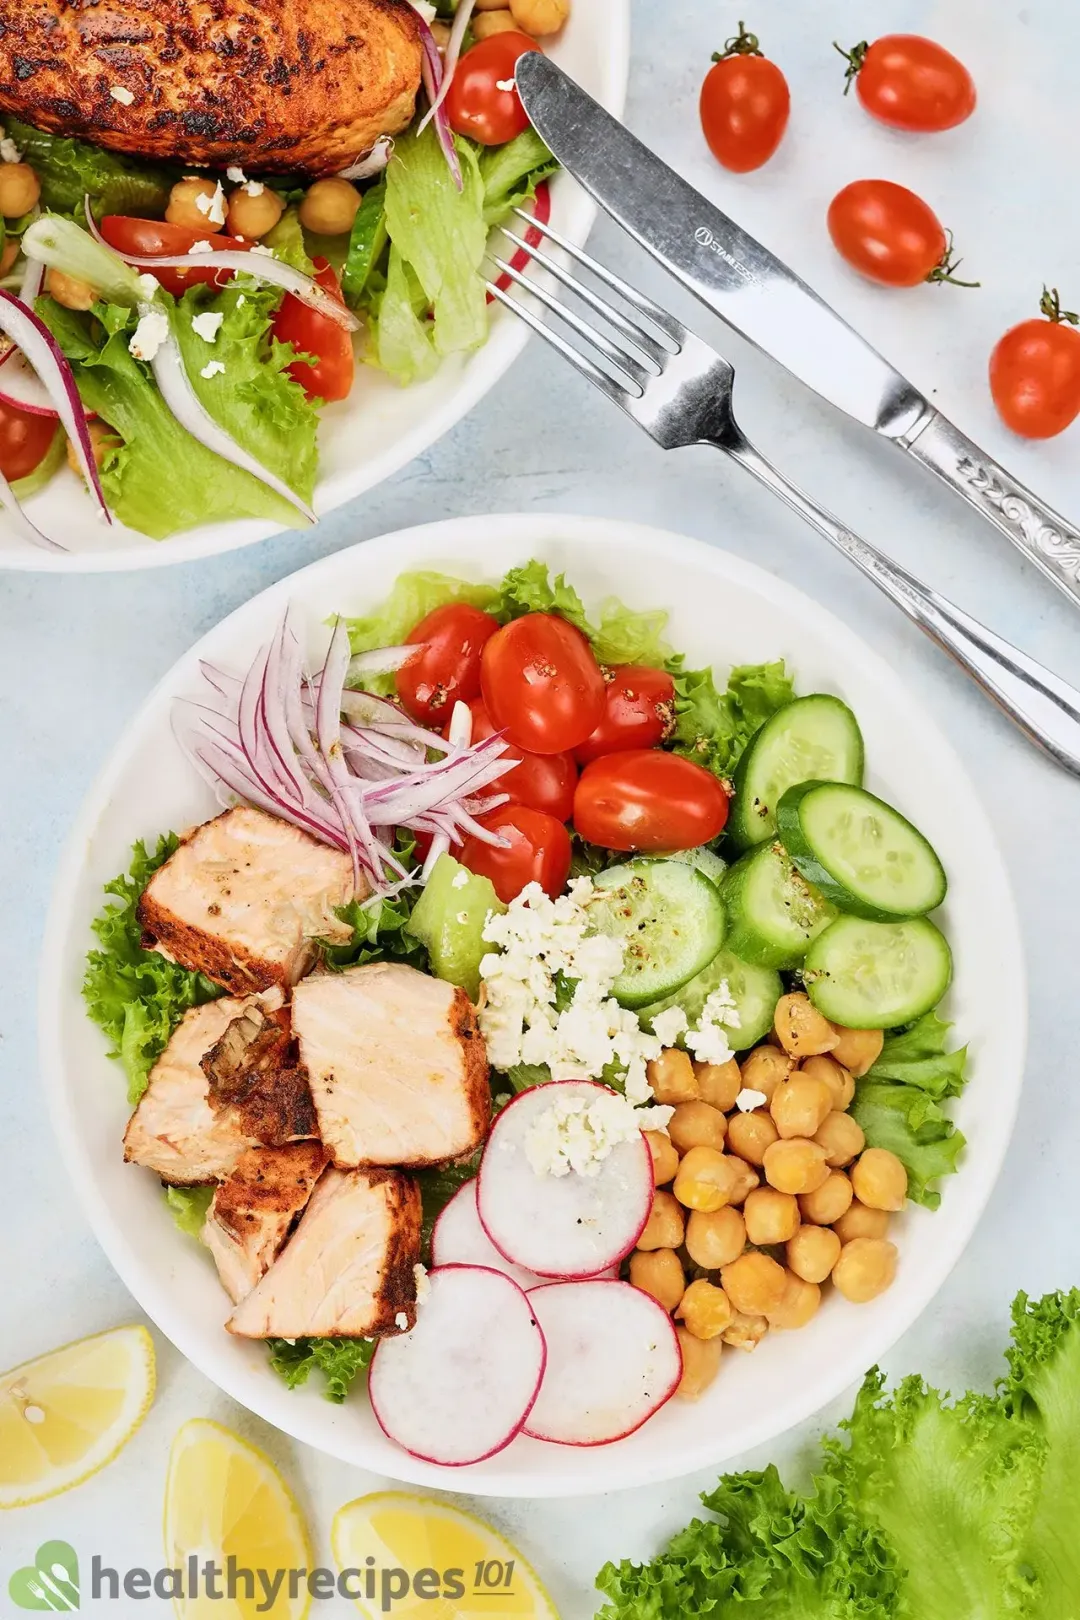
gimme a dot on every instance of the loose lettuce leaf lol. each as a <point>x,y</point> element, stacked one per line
<point>917,1056</point>
<point>378,935</point>
<point>714,727</point>
<point>402,334</point>
<point>511,174</point>
<point>70,170</point>
<point>340,1361</point>
<point>622,636</point>
<point>287,241</point>
<point>437,1187</point>
<point>912,1125</point>
<point>136,996</point>
<point>189,1206</point>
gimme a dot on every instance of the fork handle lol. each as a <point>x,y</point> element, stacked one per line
<point>1046,708</point>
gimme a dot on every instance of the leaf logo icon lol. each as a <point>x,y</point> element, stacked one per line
<point>51,1582</point>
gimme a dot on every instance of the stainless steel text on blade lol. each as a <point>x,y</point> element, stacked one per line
<point>745,283</point>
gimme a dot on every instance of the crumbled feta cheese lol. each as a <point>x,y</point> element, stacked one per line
<point>236,174</point>
<point>151,332</point>
<point>749,1099</point>
<point>120,94</point>
<point>201,246</point>
<point>423,1285</point>
<point>668,1026</point>
<point>459,880</point>
<point>149,286</point>
<point>508,85</point>
<point>709,1042</point>
<point>401,1321</point>
<point>214,206</point>
<point>9,152</point>
<point>261,247</point>
<point>208,325</point>
<point>427,11</point>
<point>577,1134</point>
<point>253,188</point>
<point>213,368</point>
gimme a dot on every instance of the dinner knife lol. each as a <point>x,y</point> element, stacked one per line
<point>751,289</point>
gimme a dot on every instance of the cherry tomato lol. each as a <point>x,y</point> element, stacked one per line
<point>25,439</point>
<point>476,104</point>
<point>745,102</point>
<point>1035,372</point>
<point>649,800</point>
<point>331,377</point>
<point>541,683</point>
<point>542,781</point>
<point>890,235</point>
<point>538,852</point>
<point>639,711</point>
<point>148,237</point>
<point>910,82</point>
<point>446,670</point>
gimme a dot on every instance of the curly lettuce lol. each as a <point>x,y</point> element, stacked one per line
<point>898,1104</point>
<point>339,1361</point>
<point>71,170</point>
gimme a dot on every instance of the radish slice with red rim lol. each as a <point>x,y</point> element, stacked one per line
<point>21,387</point>
<point>613,1361</point>
<point>459,1239</point>
<point>459,1386</point>
<point>569,1226</point>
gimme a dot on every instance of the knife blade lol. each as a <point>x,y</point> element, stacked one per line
<point>755,292</point>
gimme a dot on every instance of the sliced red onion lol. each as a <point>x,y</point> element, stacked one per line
<point>33,277</point>
<point>182,400</point>
<point>370,163</point>
<point>431,70</point>
<point>379,661</point>
<point>19,520</point>
<point>459,732</point>
<point>449,60</point>
<point>21,387</point>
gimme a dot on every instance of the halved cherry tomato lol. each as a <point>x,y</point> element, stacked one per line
<point>542,781</point>
<point>649,800</point>
<point>639,710</point>
<point>890,235</point>
<point>910,82</point>
<point>25,439</point>
<point>149,237</point>
<point>538,852</point>
<point>446,669</point>
<point>1035,372</point>
<point>477,104</point>
<point>541,683</point>
<point>331,376</point>
<point>745,103</point>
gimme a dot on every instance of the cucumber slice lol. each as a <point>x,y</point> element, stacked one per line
<point>773,913</point>
<point>754,990</point>
<point>706,860</point>
<point>813,739</point>
<point>876,975</point>
<point>671,922</point>
<point>449,919</point>
<point>860,852</point>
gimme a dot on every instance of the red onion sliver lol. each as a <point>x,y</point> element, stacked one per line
<point>432,74</point>
<point>380,661</point>
<point>33,277</point>
<point>29,530</point>
<point>449,61</point>
<point>370,163</point>
<point>461,721</point>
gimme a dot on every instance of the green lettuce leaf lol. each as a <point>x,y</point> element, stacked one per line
<point>401,332</point>
<point>437,1187</point>
<point>137,997</point>
<point>70,170</point>
<point>622,635</point>
<point>413,597</point>
<point>511,174</point>
<point>340,1361</point>
<point>288,242</point>
<point>189,1206</point>
<point>378,934</point>
<point>917,1056</point>
<point>909,1123</point>
<point>714,727</point>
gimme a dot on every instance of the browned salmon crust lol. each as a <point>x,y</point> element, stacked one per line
<point>275,85</point>
<point>477,1078</point>
<point>254,1210</point>
<point>252,1072</point>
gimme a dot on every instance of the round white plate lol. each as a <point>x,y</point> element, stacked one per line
<point>723,611</point>
<point>381,426</point>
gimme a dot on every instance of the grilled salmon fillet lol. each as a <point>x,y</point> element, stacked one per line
<point>396,1063</point>
<point>275,85</point>
<point>253,1211</point>
<point>348,1271</point>
<point>244,898</point>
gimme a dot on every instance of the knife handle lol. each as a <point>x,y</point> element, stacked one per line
<point>1042,534</point>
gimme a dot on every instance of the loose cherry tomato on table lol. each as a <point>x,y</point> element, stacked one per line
<point>639,710</point>
<point>446,668</point>
<point>890,235</point>
<point>150,237</point>
<point>542,781</point>
<point>745,102</point>
<point>331,376</point>
<point>477,103</point>
<point>25,440</point>
<point>541,683</point>
<point>1035,372</point>
<point>538,851</point>
<point>910,82</point>
<point>649,800</point>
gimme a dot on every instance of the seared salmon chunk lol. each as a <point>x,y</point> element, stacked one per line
<point>396,1063</point>
<point>254,1210</point>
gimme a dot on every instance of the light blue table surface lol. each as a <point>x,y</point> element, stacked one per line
<point>78,654</point>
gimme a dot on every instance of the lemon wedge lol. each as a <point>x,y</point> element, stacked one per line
<point>456,1566</point>
<point>225,1500</point>
<point>67,1414</point>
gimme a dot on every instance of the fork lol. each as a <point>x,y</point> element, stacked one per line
<point>680,391</point>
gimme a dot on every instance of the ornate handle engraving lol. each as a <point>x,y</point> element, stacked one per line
<point>1031,529</point>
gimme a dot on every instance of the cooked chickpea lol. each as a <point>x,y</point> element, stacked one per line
<point>812,1253</point>
<point>706,1179</point>
<point>329,207</point>
<point>754,1283</point>
<point>665,1226</point>
<point>838,1079</point>
<point>715,1238</point>
<point>660,1274</point>
<point>799,1105</point>
<point>665,1160</point>
<point>879,1179</point>
<point>719,1083</point>
<point>183,206</point>
<point>858,1049</point>
<point>700,1364</point>
<point>491,5</point>
<point>745,1332</point>
<point>770,1216</point>
<point>802,1030</point>
<point>8,254</point>
<point>672,1078</point>
<point>861,1222</point>
<point>252,215</point>
<point>696,1124</point>
<point>764,1068</point>
<point>865,1269</point>
<point>440,33</point>
<point>746,1179</point>
<point>798,1306</point>
<point>493,22</point>
<point>829,1201</point>
<point>540,17</point>
<point>20,189</point>
<point>749,1135</point>
<point>70,291</point>
<point>841,1137</point>
<point>795,1165</point>
<point>102,440</point>
<point>705,1310</point>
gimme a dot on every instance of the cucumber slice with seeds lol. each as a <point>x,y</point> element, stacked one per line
<point>670,919</point>
<point>754,990</point>
<point>860,852</point>
<point>876,975</point>
<point>813,739</point>
<point>773,912</point>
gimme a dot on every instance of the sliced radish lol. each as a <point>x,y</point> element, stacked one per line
<point>571,1226</point>
<point>21,386</point>
<point>458,1238</point>
<point>459,1387</point>
<point>613,1360</point>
